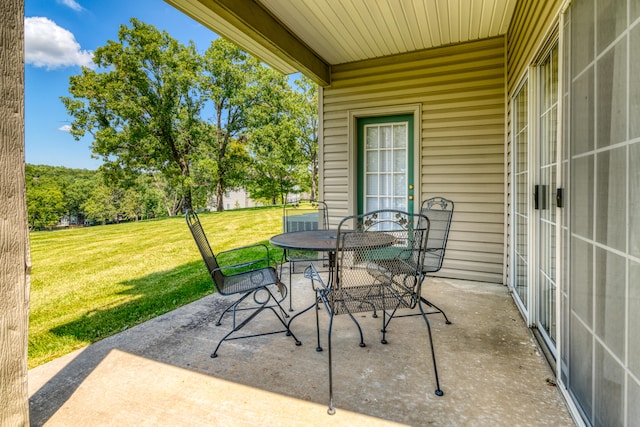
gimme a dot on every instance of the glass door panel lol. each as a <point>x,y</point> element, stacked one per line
<point>546,201</point>
<point>385,177</point>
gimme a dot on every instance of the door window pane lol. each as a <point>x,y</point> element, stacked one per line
<point>612,96</point>
<point>400,185</point>
<point>634,200</point>
<point>385,185</point>
<point>609,380</point>
<point>634,80</point>
<point>371,204</point>
<point>633,410</point>
<point>582,171</point>
<point>612,20</point>
<point>372,137</point>
<point>582,115</point>
<point>580,363</point>
<point>372,161</point>
<point>634,319</point>
<point>611,205</point>
<point>582,280</point>
<point>385,161</point>
<point>400,160</point>
<point>400,135</point>
<point>610,300</point>
<point>372,184</point>
<point>385,137</point>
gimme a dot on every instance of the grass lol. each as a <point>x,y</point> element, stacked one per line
<point>90,283</point>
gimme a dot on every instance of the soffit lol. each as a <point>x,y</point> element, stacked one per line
<point>312,35</point>
<point>342,31</point>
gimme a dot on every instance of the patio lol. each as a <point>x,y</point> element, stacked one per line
<point>160,372</point>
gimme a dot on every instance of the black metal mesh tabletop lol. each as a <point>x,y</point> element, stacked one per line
<point>312,240</point>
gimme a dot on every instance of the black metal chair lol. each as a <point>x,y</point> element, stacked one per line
<point>247,276</point>
<point>378,261</point>
<point>302,216</point>
<point>440,212</point>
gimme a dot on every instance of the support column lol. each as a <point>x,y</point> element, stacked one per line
<point>14,237</point>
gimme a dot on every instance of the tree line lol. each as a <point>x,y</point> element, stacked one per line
<point>177,127</point>
<point>58,195</point>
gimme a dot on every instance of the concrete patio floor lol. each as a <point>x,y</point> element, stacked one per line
<point>160,373</point>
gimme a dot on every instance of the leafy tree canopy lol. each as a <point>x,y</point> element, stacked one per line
<point>141,106</point>
<point>198,124</point>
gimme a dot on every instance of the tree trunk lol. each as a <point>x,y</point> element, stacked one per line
<point>219,196</point>
<point>314,177</point>
<point>221,141</point>
<point>187,204</point>
<point>15,263</point>
<point>187,201</point>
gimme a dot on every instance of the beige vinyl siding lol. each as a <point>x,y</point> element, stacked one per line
<point>530,28</point>
<point>460,92</point>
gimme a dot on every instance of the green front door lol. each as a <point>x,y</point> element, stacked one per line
<point>385,163</point>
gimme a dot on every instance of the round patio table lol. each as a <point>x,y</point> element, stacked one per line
<point>325,241</point>
<point>311,240</point>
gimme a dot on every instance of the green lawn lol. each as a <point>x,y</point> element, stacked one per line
<point>90,283</point>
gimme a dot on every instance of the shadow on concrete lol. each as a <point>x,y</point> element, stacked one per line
<point>189,279</point>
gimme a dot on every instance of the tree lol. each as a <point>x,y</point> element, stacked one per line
<point>274,140</point>
<point>45,204</point>
<point>76,187</point>
<point>102,205</point>
<point>307,122</point>
<point>231,82</point>
<point>54,191</point>
<point>207,166</point>
<point>142,106</point>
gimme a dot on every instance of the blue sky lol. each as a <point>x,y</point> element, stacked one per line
<point>60,37</point>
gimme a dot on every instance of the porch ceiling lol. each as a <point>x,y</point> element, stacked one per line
<point>312,35</point>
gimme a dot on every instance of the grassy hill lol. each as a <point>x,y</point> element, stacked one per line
<point>90,283</point>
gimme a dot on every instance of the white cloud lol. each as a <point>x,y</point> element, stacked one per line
<point>48,45</point>
<point>72,4</point>
<point>65,128</point>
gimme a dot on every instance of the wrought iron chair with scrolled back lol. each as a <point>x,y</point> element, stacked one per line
<point>440,213</point>
<point>377,268</point>
<point>253,276</point>
<point>303,215</point>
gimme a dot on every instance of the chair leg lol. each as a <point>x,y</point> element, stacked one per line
<point>438,309</point>
<point>291,286</point>
<point>240,326</point>
<point>282,262</point>
<point>430,304</point>
<point>284,316</point>
<point>385,323</point>
<point>362,344</point>
<point>250,317</point>
<point>288,330</point>
<point>331,410</point>
<point>438,391</point>
<point>384,326</point>
<point>317,305</point>
<point>232,306</point>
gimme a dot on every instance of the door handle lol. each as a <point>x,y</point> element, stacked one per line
<point>560,197</point>
<point>540,197</point>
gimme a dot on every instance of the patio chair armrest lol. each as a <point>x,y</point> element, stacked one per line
<point>392,267</point>
<point>237,260</point>
<point>400,278</point>
<point>311,272</point>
